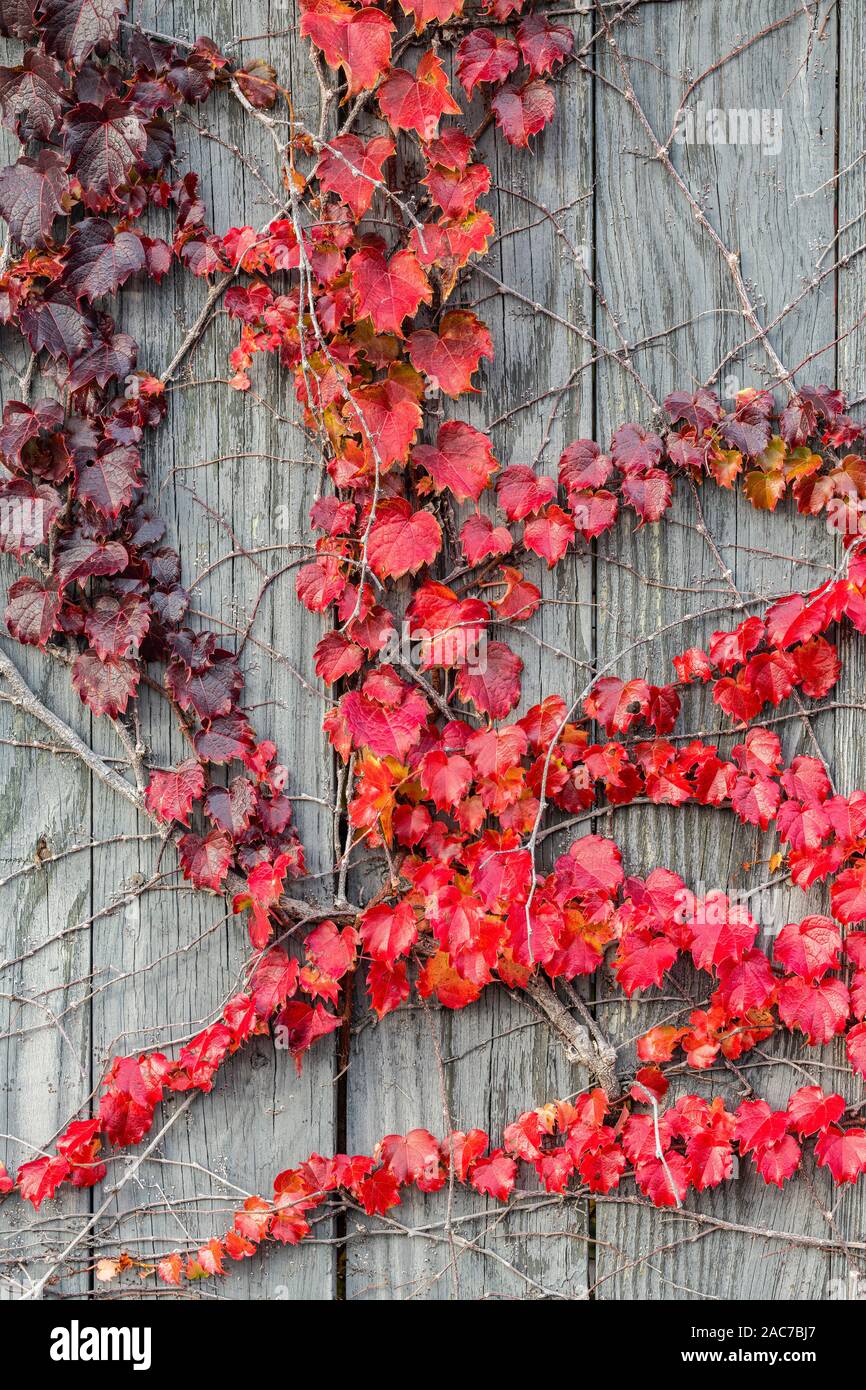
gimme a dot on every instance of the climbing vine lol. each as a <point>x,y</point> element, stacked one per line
<point>417,527</point>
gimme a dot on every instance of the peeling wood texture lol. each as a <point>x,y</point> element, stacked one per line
<point>592,228</point>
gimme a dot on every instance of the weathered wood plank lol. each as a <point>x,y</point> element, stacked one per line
<point>45,1050</point>
<point>261,1117</point>
<point>659,270</point>
<point>849,747</point>
<point>227,475</point>
<point>504,1062</point>
<point>46,809</point>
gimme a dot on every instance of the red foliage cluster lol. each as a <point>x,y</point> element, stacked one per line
<point>456,795</point>
<point>690,1145</point>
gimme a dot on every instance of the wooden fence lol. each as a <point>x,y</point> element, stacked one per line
<point>600,247</point>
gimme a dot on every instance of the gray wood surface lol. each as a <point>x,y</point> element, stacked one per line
<point>230,471</point>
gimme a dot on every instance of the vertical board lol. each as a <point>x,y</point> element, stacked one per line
<point>499,1060</point>
<point>231,475</point>
<point>45,809</point>
<point>227,474</point>
<point>849,745</point>
<point>751,194</point>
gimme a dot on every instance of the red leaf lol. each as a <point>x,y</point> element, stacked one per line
<point>848,894</point>
<point>818,667</point>
<point>73,28</point>
<point>843,1152</point>
<point>106,686</point>
<point>617,704</point>
<point>257,80</point>
<point>495,1175</point>
<point>729,649</point>
<point>593,512</point>
<point>520,491</point>
<point>449,356</point>
<point>80,558</point>
<point>602,1170</point>
<point>387,732</point>
<point>451,246</point>
<point>224,739</point>
<point>104,143</point>
<point>426,11</point>
<point>117,626</point>
<point>387,417</point>
<point>456,191</point>
<point>642,960</point>
<point>809,948</point>
<point>32,611</point>
<point>482,57</point>
<point>349,167</point>
<point>855,1045</point>
<point>810,1111</point>
<point>445,779</point>
<point>746,984</point>
<point>402,541</point>
<point>479,537</point>
<point>31,96</point>
<point>649,495</point>
<point>439,977</point>
<point>820,1009</point>
<point>417,103</point>
<point>335,656</point>
<point>635,449</point>
<point>299,1025</point>
<point>55,322</point>
<point>549,534</point>
<point>493,686</point>
<point>170,1269</point>
<point>201,1058</point>
<point>205,860</point>
<point>412,1158</point>
<point>665,1183</point>
<point>275,980</point>
<point>462,460</point>
<point>99,259</point>
<point>388,291</point>
<point>133,1088</point>
<point>111,480</point>
<point>22,422</point>
<point>778,1162</point>
<point>542,44</point>
<point>264,889</point>
<point>41,1178</point>
<point>359,41</point>
<point>32,194</point>
<point>388,931</point>
<point>169,795</point>
<point>522,113</point>
<point>693,664</point>
<point>520,600</point>
<point>387,987</point>
<point>755,800</point>
<point>332,950</point>
<point>593,866</point>
<point>379,1192</point>
<point>462,1150</point>
<point>711,1158</point>
<point>722,931</point>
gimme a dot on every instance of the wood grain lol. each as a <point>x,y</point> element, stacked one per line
<point>231,472</point>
